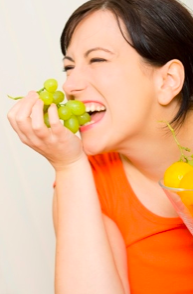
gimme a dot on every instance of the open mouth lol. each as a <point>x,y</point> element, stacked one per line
<point>95,110</point>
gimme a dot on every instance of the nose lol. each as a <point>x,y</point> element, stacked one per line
<point>75,83</point>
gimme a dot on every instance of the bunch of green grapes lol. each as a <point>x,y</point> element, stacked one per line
<point>72,114</point>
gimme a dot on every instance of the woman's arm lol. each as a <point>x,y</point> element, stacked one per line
<point>90,252</point>
<point>85,261</point>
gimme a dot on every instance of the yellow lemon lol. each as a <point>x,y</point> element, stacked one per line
<point>187,183</point>
<point>175,172</point>
<point>186,197</point>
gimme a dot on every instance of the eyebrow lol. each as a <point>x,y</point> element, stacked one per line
<point>88,52</point>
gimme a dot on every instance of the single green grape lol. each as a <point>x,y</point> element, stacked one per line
<point>58,97</point>
<point>51,85</point>
<point>77,107</point>
<point>46,120</point>
<point>46,97</point>
<point>45,108</point>
<point>64,112</point>
<point>72,124</point>
<point>83,118</point>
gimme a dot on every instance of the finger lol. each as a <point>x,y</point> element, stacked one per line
<point>22,115</point>
<point>21,104</point>
<point>11,117</point>
<point>12,113</point>
<point>26,106</point>
<point>37,120</point>
<point>55,123</point>
<point>19,118</point>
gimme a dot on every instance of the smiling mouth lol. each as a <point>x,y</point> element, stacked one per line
<point>95,110</point>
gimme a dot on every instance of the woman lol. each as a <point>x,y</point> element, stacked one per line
<point>116,232</point>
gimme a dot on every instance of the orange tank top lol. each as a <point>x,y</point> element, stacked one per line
<point>159,249</point>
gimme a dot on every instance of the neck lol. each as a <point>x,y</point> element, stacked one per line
<point>152,152</point>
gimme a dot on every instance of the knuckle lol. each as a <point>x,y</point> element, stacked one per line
<point>37,128</point>
<point>19,119</point>
<point>9,116</point>
<point>56,126</point>
<point>24,140</point>
<point>39,131</point>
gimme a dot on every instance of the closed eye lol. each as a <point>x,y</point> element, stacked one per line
<point>66,68</point>
<point>97,60</point>
<point>69,67</point>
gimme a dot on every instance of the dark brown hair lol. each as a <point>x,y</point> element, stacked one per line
<point>159,30</point>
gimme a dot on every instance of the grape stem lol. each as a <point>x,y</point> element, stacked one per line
<point>42,89</point>
<point>183,157</point>
<point>17,98</point>
<point>14,98</point>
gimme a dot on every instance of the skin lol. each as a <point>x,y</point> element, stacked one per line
<point>114,82</point>
<point>136,96</point>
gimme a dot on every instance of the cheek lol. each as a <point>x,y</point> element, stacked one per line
<point>124,88</point>
<point>105,75</point>
<point>132,102</point>
<point>117,79</point>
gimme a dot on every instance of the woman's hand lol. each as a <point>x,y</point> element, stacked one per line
<point>59,145</point>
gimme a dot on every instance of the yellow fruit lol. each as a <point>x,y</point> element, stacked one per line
<point>186,197</point>
<point>175,172</point>
<point>187,183</point>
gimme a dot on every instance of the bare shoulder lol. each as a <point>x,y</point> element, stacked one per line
<point>118,248</point>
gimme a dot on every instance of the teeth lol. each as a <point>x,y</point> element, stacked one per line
<point>87,108</point>
<point>89,123</point>
<point>92,107</point>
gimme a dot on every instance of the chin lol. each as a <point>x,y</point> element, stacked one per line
<point>91,150</point>
<point>91,147</point>
<point>94,143</point>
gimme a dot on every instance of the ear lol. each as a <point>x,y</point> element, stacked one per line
<point>170,80</point>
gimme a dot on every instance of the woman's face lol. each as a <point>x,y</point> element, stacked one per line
<point>104,71</point>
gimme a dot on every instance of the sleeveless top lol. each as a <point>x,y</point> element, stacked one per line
<point>159,249</point>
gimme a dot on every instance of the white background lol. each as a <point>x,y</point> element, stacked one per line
<point>29,54</point>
